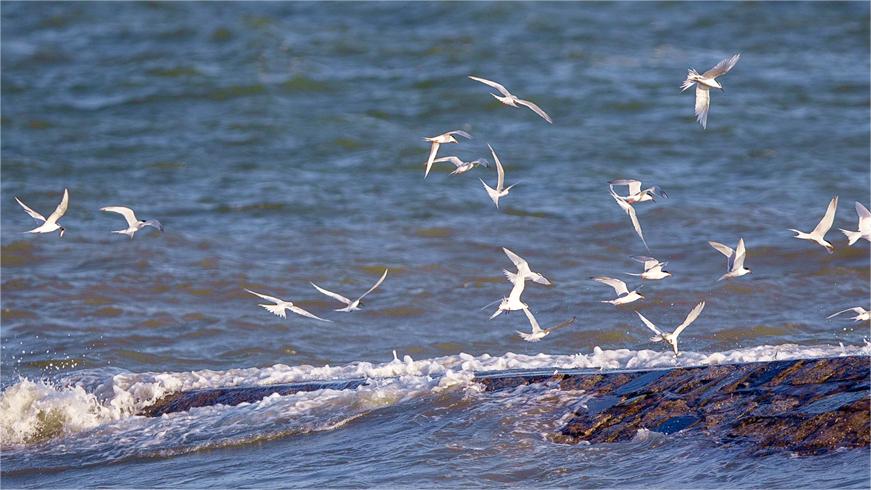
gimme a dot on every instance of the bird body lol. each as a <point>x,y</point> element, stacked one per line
<point>49,224</point>
<point>350,305</point>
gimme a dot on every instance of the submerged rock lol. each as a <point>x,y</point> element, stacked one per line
<point>808,406</point>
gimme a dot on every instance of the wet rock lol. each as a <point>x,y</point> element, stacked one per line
<point>808,406</point>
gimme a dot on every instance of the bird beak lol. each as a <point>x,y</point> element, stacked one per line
<point>722,90</point>
<point>62,233</point>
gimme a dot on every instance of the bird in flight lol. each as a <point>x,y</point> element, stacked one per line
<point>523,271</point>
<point>823,227</point>
<point>49,224</point>
<point>500,190</point>
<point>630,211</point>
<point>671,338</point>
<point>635,193</point>
<point>864,225</point>
<point>509,99</point>
<point>653,268</point>
<point>350,305</point>
<point>862,315</point>
<point>133,224</point>
<point>624,296</point>
<point>281,305</point>
<point>463,167</point>
<point>704,83</point>
<point>734,259</point>
<point>539,333</point>
<point>441,139</point>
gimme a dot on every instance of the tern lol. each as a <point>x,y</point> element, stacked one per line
<point>704,83</point>
<point>653,268</point>
<point>629,210</point>
<point>734,259</point>
<point>671,338</point>
<point>624,296</point>
<point>636,194</point>
<point>864,225</point>
<point>523,270</point>
<point>819,233</point>
<point>508,99</point>
<point>281,305</point>
<point>512,302</point>
<point>500,190</point>
<point>133,224</point>
<point>441,139</point>
<point>463,167</point>
<point>50,224</point>
<point>351,305</point>
<point>539,333</point>
<point>862,315</point>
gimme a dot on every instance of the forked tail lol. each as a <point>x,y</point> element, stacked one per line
<point>852,236</point>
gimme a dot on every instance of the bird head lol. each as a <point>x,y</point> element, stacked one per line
<point>62,230</point>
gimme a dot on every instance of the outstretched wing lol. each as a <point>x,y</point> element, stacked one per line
<point>703,103</point>
<point>864,218</point>
<point>722,67</point>
<point>618,285</point>
<point>453,159</point>
<point>500,172</point>
<point>649,324</point>
<point>517,260</point>
<point>740,254</point>
<point>31,212</point>
<point>634,185</point>
<point>532,320</point>
<point>154,223</point>
<point>460,132</point>
<point>566,323</point>
<point>331,294</point>
<point>127,213</point>
<point>493,84</point>
<point>857,309</point>
<point>691,317</point>
<point>376,284</point>
<point>535,109</point>
<point>826,223</point>
<point>429,161</point>
<point>300,311</point>
<point>267,298</point>
<point>725,250</point>
<point>635,224</point>
<point>60,209</point>
<point>649,262</point>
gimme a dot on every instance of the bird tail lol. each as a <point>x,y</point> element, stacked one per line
<point>632,274</point>
<point>692,76</point>
<point>852,236</point>
<point>277,310</point>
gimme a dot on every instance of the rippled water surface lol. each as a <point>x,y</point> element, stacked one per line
<point>281,143</point>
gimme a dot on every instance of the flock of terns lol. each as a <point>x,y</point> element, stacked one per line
<point>653,269</point>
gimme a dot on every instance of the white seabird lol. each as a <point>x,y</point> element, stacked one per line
<point>511,100</point>
<point>864,226</point>
<point>734,259</point>
<point>653,268</point>
<point>630,211</point>
<point>441,139</point>
<point>281,305</point>
<point>862,315</point>
<point>704,83</point>
<point>463,167</point>
<point>350,305</point>
<point>133,224</point>
<point>500,190</point>
<point>624,296</point>
<point>537,332</point>
<point>49,224</point>
<point>636,194</point>
<point>671,338</point>
<point>823,227</point>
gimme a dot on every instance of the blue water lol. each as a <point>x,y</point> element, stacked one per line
<point>281,143</point>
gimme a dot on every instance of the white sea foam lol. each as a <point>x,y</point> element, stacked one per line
<point>33,411</point>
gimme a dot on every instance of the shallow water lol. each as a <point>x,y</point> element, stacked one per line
<point>281,144</point>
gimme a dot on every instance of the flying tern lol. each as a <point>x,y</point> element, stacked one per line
<point>512,302</point>
<point>636,194</point>
<point>704,83</point>
<point>819,233</point>
<point>862,315</point>
<point>508,99</point>
<point>630,211</point>
<point>653,268</point>
<point>441,139</point>
<point>133,224</point>
<point>864,225</point>
<point>351,305</point>
<point>281,305</point>
<point>671,338</point>
<point>523,270</point>
<point>49,224</point>
<point>463,167</point>
<point>500,190</point>
<point>624,296</point>
<point>537,332</point>
<point>734,259</point>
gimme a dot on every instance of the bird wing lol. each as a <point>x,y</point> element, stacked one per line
<point>649,262</point>
<point>740,254</point>
<point>517,260</point>
<point>31,212</point>
<point>703,103</point>
<point>500,172</point>
<point>127,213</point>
<point>432,154</point>
<point>634,185</point>
<point>532,321</point>
<point>154,223</point>
<point>618,285</point>
<point>461,133</point>
<point>453,159</point>
<point>300,311</point>
<point>636,224</point>
<point>722,67</point>
<point>691,317</point>
<point>267,298</point>
<point>562,325</point>
<point>649,324</point>
<point>725,250</point>
<point>864,218</point>
<point>331,294</point>
<point>60,209</point>
<point>659,191</point>
<point>510,275</point>
<point>493,84</point>
<point>535,109</point>
<point>826,223</point>
<point>376,285</point>
<point>857,309</point>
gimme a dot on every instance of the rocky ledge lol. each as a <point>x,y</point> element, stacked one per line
<point>808,406</point>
